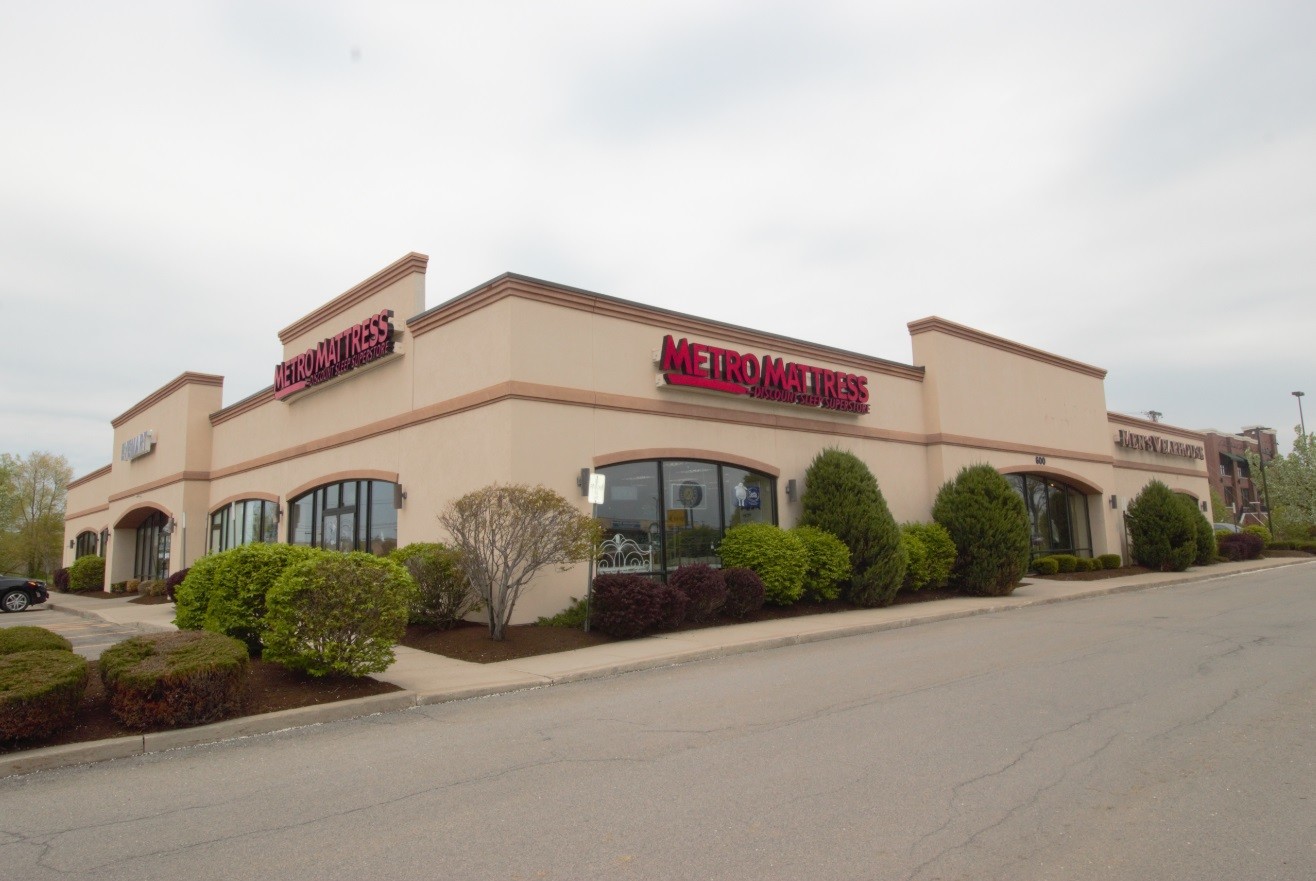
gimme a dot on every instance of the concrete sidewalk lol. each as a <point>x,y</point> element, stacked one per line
<point>427,679</point>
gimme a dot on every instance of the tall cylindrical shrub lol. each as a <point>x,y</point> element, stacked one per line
<point>775,554</point>
<point>841,496</point>
<point>988,522</point>
<point>829,563</point>
<point>1161,529</point>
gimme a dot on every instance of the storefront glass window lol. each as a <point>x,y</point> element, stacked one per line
<point>660,515</point>
<point>352,515</point>
<point>86,545</point>
<point>242,523</point>
<point>151,556</point>
<point>1057,514</point>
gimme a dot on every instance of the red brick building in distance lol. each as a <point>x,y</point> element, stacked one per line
<point>1230,474</point>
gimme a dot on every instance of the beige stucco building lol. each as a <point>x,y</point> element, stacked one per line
<point>383,411</point>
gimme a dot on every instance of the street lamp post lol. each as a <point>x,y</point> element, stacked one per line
<point>1265,487</point>
<point>1301,421</point>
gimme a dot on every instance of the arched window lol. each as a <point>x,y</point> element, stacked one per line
<point>664,513</point>
<point>151,558</point>
<point>86,545</point>
<point>244,522</point>
<point>1057,512</point>
<point>349,515</point>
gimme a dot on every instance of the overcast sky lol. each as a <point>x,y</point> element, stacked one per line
<point>1132,185</point>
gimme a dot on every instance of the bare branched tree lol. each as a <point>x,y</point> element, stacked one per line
<point>508,533</point>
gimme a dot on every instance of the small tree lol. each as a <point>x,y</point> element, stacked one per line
<point>1161,529</point>
<point>507,533</point>
<point>841,496</point>
<point>988,522</point>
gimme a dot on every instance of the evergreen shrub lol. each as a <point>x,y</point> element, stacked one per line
<point>40,692</point>
<point>444,595</point>
<point>916,560</point>
<point>828,564</point>
<point>940,550</point>
<point>1111,561</point>
<point>163,680</point>
<point>779,558</point>
<point>841,496</point>
<point>705,591</point>
<point>337,614</point>
<point>627,606</point>
<point>192,594</point>
<point>31,639</point>
<point>87,573</point>
<point>988,522</point>
<point>1067,562</point>
<point>1204,532</point>
<point>1084,564</point>
<point>241,583</point>
<point>1046,566</point>
<point>745,592</point>
<point>1162,531</point>
<point>573,616</point>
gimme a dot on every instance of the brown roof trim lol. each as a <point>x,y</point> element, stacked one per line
<point>250,402</point>
<point>85,512</point>
<point>163,481</point>
<point>88,478</point>
<point>512,285</point>
<point>394,272</point>
<point>165,391</point>
<point>1148,425</point>
<point>934,323</point>
<point>980,443</point>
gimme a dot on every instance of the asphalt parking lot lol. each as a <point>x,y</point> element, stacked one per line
<point>89,636</point>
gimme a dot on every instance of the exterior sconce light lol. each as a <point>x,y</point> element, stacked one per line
<point>1203,504</point>
<point>70,544</point>
<point>1115,502</point>
<point>168,528</point>
<point>790,489</point>
<point>582,481</point>
<point>399,495</point>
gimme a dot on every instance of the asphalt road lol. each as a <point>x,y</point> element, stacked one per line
<point>1168,734</point>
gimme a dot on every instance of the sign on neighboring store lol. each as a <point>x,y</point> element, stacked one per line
<point>696,365</point>
<point>356,346</point>
<point>136,447</point>
<point>1152,443</point>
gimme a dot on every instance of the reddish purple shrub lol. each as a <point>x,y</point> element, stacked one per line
<point>1240,545</point>
<point>174,580</point>
<point>61,580</point>
<point>705,591</point>
<point>744,592</point>
<point>627,606</point>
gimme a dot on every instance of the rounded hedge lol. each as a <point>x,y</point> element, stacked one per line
<point>240,584</point>
<point>931,555</point>
<point>1161,529</point>
<point>443,592</point>
<point>163,680</point>
<point>627,606</point>
<point>1046,566</point>
<point>192,594</point>
<point>1111,561</point>
<point>338,614</point>
<point>31,639</point>
<point>705,591</point>
<point>40,692</point>
<point>828,563</point>
<point>1066,562</point>
<point>841,496</point>
<point>87,573</point>
<point>745,592</point>
<point>988,522</point>
<point>779,558</point>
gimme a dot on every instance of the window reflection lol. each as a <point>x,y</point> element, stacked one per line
<point>1057,514</point>
<point>352,515</point>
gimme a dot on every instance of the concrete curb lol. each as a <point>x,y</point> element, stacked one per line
<point>523,680</point>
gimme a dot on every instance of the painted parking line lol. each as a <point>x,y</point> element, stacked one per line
<point>89,638</point>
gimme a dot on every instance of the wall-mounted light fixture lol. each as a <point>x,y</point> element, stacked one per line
<point>399,495</point>
<point>1203,504</point>
<point>168,528</point>
<point>70,544</point>
<point>582,481</point>
<point>790,489</point>
<point>1114,502</point>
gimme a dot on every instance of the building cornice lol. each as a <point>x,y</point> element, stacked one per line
<point>936,324</point>
<point>390,274</point>
<point>88,478</point>
<point>1148,425</point>
<point>247,404</point>
<point>155,397</point>
<point>537,290</point>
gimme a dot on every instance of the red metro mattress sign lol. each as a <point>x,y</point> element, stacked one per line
<point>696,365</point>
<point>360,344</point>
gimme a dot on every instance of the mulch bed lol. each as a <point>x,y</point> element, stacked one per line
<point>270,687</point>
<point>1098,575</point>
<point>144,600</point>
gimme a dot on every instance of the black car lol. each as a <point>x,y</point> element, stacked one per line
<point>16,593</point>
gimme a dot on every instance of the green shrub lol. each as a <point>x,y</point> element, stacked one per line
<point>1085,564</point>
<point>192,594</point>
<point>1111,561</point>
<point>627,606</point>
<point>154,587</point>
<point>239,587</point>
<point>444,595</point>
<point>828,563</point>
<point>572,616</point>
<point>31,639</point>
<point>1046,566</point>
<point>340,614</point>
<point>162,680</point>
<point>988,522</point>
<point>778,557</point>
<point>916,560</point>
<point>1203,532</point>
<point>841,496</point>
<point>87,573</point>
<point>704,588</point>
<point>40,692</point>
<point>1067,562</point>
<point>1161,529</point>
<point>940,553</point>
<point>745,592</point>
<point>1259,531</point>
